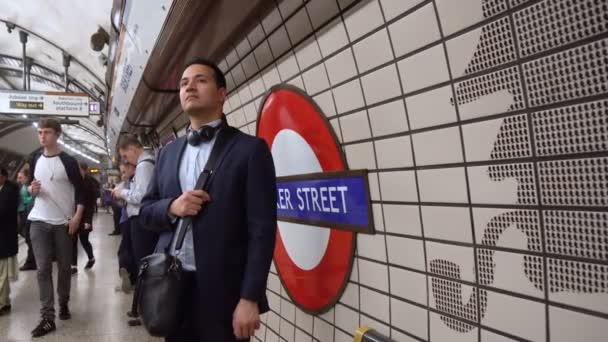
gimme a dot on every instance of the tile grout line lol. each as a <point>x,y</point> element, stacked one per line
<point>476,290</point>
<point>538,187</point>
<point>350,45</point>
<point>416,179</point>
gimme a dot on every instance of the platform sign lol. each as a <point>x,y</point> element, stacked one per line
<point>320,203</point>
<point>338,199</point>
<point>44,103</point>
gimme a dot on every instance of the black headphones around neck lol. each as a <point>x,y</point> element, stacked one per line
<point>205,133</point>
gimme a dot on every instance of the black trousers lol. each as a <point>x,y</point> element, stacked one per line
<point>143,241</point>
<point>83,235</point>
<point>116,212</point>
<point>126,258</point>
<point>24,231</point>
<point>200,323</point>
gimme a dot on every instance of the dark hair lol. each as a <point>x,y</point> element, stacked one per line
<point>50,123</point>
<point>127,140</point>
<point>25,171</point>
<point>3,172</point>
<point>220,79</point>
<point>83,166</point>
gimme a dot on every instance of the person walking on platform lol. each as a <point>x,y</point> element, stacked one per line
<point>59,203</point>
<point>143,240</point>
<point>90,187</point>
<point>9,201</point>
<point>25,205</point>
<point>226,255</point>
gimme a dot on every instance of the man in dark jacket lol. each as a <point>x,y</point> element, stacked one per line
<point>9,201</point>
<point>228,250</point>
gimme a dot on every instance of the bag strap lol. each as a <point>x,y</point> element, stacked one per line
<point>136,295</point>
<point>224,136</point>
<point>203,182</point>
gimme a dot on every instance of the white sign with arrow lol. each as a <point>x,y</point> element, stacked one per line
<point>44,103</point>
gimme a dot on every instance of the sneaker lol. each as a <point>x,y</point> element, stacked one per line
<point>44,327</point>
<point>89,264</point>
<point>5,310</point>
<point>64,312</point>
<point>125,281</point>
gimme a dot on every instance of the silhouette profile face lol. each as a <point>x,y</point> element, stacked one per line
<point>551,142</point>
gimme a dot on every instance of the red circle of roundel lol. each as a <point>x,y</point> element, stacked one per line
<point>318,289</point>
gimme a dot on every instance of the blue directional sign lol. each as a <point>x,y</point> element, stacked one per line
<point>331,199</point>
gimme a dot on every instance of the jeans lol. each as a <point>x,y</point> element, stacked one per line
<point>48,241</point>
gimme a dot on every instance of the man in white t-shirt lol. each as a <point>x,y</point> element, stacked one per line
<point>56,185</point>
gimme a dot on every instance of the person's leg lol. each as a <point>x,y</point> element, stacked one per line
<point>208,325</point>
<point>86,245</point>
<point>4,284</point>
<point>143,241</point>
<point>74,252</point>
<point>64,243</point>
<point>30,260</point>
<point>125,253</point>
<point>43,245</point>
<point>124,248</point>
<point>221,330</point>
<point>116,211</point>
<point>186,331</point>
<point>22,221</point>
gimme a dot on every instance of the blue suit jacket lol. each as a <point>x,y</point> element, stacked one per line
<point>234,234</point>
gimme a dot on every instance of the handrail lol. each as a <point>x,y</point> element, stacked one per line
<point>367,334</point>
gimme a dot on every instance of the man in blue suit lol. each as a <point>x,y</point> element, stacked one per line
<point>228,252</point>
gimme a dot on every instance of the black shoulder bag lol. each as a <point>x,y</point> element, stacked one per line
<point>159,281</point>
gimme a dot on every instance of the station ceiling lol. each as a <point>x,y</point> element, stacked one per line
<point>55,28</point>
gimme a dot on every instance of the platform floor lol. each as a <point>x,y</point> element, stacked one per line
<point>98,311</point>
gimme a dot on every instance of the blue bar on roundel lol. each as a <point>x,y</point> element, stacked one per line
<point>337,200</point>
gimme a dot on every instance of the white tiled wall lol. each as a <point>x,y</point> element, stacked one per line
<point>469,114</point>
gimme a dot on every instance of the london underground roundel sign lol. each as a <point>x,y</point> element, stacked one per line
<point>313,261</point>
